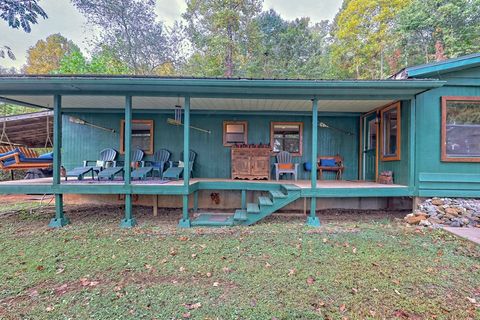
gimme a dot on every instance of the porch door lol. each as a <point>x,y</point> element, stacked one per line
<point>370,136</point>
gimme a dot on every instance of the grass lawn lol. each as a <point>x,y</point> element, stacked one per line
<point>280,269</point>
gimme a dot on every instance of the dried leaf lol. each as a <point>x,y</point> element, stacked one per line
<point>267,265</point>
<point>186,315</point>
<point>183,238</point>
<point>40,268</point>
<point>148,267</point>
<point>50,308</point>
<point>354,290</point>
<point>209,274</point>
<point>216,284</point>
<point>193,306</point>
<point>182,269</point>
<point>354,250</point>
<point>325,240</point>
<point>194,255</point>
<point>310,280</point>
<point>291,272</point>
<point>472,300</point>
<point>342,307</point>
<point>226,270</point>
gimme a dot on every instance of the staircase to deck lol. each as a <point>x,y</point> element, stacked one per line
<point>268,203</point>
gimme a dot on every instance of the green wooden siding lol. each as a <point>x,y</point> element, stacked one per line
<point>434,177</point>
<point>213,161</point>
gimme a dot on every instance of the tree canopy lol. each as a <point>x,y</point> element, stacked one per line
<point>45,56</point>
<point>235,38</point>
<point>130,30</point>
<point>19,14</point>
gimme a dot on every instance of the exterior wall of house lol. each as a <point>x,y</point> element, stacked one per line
<point>400,167</point>
<point>81,142</point>
<point>434,177</point>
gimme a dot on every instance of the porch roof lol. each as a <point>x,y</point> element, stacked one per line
<point>106,92</point>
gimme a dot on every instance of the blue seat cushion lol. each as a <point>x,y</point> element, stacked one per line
<point>9,152</point>
<point>328,162</point>
<point>47,156</point>
<point>35,160</point>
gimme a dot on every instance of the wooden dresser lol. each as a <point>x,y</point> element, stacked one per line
<point>250,163</point>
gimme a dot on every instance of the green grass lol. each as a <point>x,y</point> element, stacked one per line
<point>275,270</point>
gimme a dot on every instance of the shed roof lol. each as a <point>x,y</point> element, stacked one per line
<point>30,129</point>
<point>103,92</point>
<point>435,69</point>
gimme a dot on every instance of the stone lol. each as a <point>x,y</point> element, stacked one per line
<point>413,219</point>
<point>455,212</point>
<point>425,223</point>
<point>452,211</point>
<point>455,223</point>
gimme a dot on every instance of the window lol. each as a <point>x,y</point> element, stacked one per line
<point>142,136</point>
<point>372,134</point>
<point>390,126</point>
<point>234,132</point>
<point>461,129</point>
<point>286,136</point>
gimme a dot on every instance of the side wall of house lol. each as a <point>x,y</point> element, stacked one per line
<point>82,142</point>
<point>434,177</point>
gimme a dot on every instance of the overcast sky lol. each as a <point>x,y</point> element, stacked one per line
<point>63,18</point>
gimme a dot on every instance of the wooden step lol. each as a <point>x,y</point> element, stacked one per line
<point>213,220</point>
<point>265,201</point>
<point>286,188</point>
<point>276,194</point>
<point>240,215</point>
<point>253,208</point>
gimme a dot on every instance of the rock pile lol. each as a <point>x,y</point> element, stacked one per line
<point>439,212</point>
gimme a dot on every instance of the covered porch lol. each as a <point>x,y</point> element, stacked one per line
<point>334,117</point>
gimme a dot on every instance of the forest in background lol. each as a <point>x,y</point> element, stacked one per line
<point>368,39</point>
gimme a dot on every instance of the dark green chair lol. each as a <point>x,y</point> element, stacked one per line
<point>105,160</point>
<point>176,169</point>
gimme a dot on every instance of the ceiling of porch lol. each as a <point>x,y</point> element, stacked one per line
<point>229,104</point>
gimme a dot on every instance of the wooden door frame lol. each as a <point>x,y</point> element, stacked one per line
<point>362,142</point>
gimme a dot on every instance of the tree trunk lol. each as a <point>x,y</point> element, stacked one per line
<point>229,54</point>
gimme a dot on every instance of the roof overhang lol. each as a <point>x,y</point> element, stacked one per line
<point>436,69</point>
<point>246,94</point>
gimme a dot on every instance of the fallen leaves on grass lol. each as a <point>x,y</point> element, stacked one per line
<point>291,272</point>
<point>87,283</point>
<point>40,268</point>
<point>193,306</point>
<point>310,280</point>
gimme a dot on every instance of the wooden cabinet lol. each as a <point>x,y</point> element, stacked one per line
<point>250,163</point>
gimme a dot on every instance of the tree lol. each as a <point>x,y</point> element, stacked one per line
<point>223,34</point>
<point>293,49</point>
<point>363,36</point>
<point>439,29</point>
<point>128,28</point>
<point>19,14</point>
<point>102,62</point>
<point>45,56</point>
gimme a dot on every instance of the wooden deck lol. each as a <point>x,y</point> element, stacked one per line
<point>304,184</point>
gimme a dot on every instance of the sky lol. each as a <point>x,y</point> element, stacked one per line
<point>65,19</point>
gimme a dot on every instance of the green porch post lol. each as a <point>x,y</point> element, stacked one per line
<point>129,221</point>
<point>412,158</point>
<point>313,220</point>
<point>60,220</point>
<point>244,199</point>
<point>185,221</point>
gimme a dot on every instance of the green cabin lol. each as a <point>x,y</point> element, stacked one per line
<point>350,142</point>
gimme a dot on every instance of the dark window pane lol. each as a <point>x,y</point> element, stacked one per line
<point>286,137</point>
<point>390,130</point>
<point>463,128</point>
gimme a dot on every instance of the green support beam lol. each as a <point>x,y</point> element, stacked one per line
<point>129,221</point>
<point>313,220</point>
<point>244,199</point>
<point>60,220</point>
<point>195,201</point>
<point>185,221</point>
<point>412,157</point>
